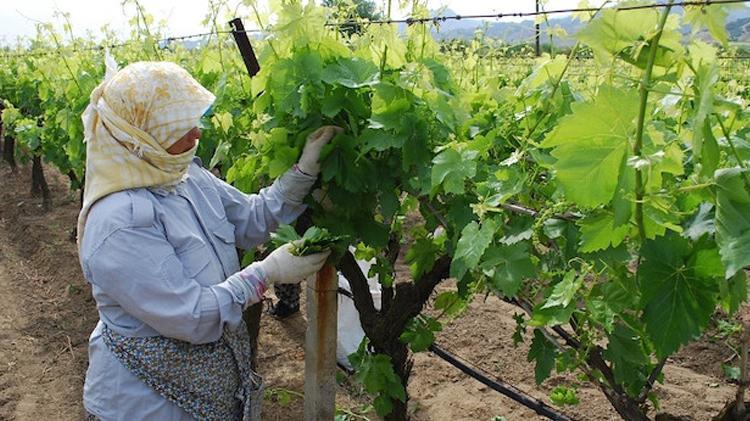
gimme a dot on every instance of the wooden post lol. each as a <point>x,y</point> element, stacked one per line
<point>537,31</point>
<point>320,346</point>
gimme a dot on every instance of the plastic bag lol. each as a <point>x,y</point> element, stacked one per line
<point>350,333</point>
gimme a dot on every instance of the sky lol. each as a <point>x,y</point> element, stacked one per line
<point>19,18</point>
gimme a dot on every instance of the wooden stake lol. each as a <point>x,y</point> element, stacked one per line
<point>320,346</point>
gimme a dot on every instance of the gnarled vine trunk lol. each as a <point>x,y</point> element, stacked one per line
<point>384,327</point>
<point>9,150</point>
<point>39,183</point>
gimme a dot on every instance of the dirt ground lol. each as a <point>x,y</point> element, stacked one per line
<point>46,315</point>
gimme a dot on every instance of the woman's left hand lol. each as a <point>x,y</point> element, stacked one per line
<point>309,161</point>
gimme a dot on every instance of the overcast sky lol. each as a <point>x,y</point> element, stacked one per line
<point>18,18</point>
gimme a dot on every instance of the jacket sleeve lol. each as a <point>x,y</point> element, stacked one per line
<point>255,216</point>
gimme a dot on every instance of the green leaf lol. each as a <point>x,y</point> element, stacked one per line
<point>565,290</point>
<point>731,372</point>
<point>390,105</point>
<point>284,234</point>
<point>598,232</point>
<point>544,353</point>
<point>283,159</point>
<point>332,103</point>
<point>707,263</point>
<point>507,183</point>
<point>677,302</point>
<point>219,154</point>
<point>734,292</point>
<point>450,303</point>
<point>706,76</point>
<point>630,361</point>
<point>507,267</point>
<point>733,219</point>
<point>590,145</point>
<point>376,374</point>
<point>710,154</point>
<point>451,169</point>
<point>351,73</point>
<point>551,316</point>
<point>372,232</point>
<point>630,39</point>
<point>702,223</point>
<point>713,18</point>
<point>223,121</point>
<point>389,202</point>
<point>421,256</point>
<point>562,395</point>
<point>420,333</point>
<point>382,405</point>
<point>547,71</point>
<point>379,140</point>
<point>611,32</point>
<point>471,246</point>
<point>288,78</point>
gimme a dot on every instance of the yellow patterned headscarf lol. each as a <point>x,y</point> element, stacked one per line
<point>133,117</point>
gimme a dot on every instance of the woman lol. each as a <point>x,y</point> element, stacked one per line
<point>157,238</point>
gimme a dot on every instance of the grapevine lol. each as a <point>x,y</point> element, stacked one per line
<point>609,202</point>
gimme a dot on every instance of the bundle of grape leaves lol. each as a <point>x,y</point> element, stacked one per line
<point>314,240</point>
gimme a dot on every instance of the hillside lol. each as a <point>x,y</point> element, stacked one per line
<point>523,31</point>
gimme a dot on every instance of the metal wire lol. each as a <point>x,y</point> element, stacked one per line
<point>409,21</point>
<point>101,47</point>
<point>438,19</point>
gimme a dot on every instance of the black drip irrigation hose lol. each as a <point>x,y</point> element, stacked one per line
<point>508,390</point>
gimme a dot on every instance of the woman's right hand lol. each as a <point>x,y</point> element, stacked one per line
<point>309,161</point>
<point>282,267</point>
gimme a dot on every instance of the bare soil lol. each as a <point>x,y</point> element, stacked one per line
<point>47,313</point>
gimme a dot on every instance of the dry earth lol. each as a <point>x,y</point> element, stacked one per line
<point>46,314</point>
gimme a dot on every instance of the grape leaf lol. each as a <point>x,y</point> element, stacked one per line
<point>677,303</point>
<point>611,32</point>
<point>630,362</point>
<point>544,353</point>
<point>376,374</point>
<point>702,223</point>
<point>712,18</point>
<point>734,292</point>
<point>507,267</point>
<point>564,291</point>
<point>471,246</point>
<point>733,219</point>
<point>450,303</point>
<point>598,232</point>
<point>380,140</point>
<point>390,105</point>
<point>452,168</point>
<point>420,333</point>
<point>551,316</point>
<point>289,76</point>
<point>351,73</point>
<point>421,256</point>
<point>591,143</point>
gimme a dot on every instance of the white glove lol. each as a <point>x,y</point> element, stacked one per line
<point>309,161</point>
<point>281,267</point>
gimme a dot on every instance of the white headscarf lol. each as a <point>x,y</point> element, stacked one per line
<point>133,117</point>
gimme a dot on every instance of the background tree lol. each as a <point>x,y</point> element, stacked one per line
<point>353,10</point>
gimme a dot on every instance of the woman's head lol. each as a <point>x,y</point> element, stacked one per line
<point>159,98</point>
<point>140,129</point>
